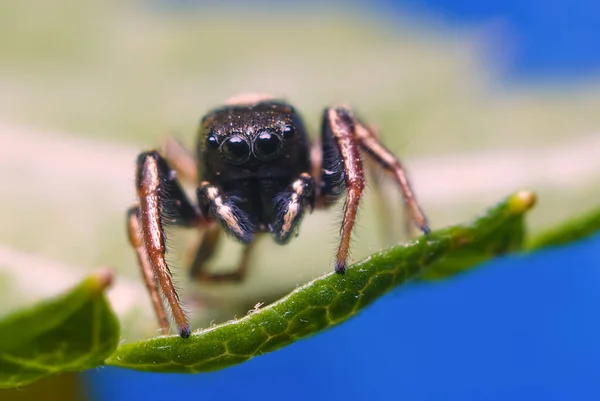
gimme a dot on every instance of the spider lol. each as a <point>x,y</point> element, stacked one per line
<point>256,172</point>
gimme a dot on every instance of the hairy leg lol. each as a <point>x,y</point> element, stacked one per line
<point>390,164</point>
<point>162,202</point>
<point>290,206</point>
<point>136,240</point>
<point>226,210</point>
<point>341,168</point>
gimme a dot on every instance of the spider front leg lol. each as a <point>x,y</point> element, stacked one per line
<point>162,201</point>
<point>136,240</point>
<point>341,168</point>
<point>342,138</point>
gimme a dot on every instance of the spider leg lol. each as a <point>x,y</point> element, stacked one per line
<point>342,138</point>
<point>341,168</point>
<point>389,163</point>
<point>180,159</point>
<point>316,160</point>
<point>290,206</point>
<point>206,250</point>
<point>162,201</point>
<point>234,221</point>
<point>227,211</point>
<point>384,206</point>
<point>136,240</point>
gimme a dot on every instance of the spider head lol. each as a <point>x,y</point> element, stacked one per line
<point>249,136</point>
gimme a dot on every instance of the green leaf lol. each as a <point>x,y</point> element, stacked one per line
<point>331,298</point>
<point>500,231</point>
<point>575,229</point>
<point>72,332</point>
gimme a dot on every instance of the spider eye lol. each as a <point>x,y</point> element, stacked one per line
<point>267,145</point>
<point>236,149</point>
<point>212,142</point>
<point>288,131</point>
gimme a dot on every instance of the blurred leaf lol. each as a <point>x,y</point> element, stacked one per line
<point>331,299</point>
<point>63,387</point>
<point>72,332</point>
<point>575,229</point>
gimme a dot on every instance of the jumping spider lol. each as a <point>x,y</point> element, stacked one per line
<point>257,173</point>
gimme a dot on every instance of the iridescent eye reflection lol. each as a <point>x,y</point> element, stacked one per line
<point>212,142</point>
<point>288,131</point>
<point>267,145</point>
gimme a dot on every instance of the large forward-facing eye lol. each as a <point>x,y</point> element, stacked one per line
<point>267,145</point>
<point>236,149</point>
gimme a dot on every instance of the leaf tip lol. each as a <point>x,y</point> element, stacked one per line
<point>522,201</point>
<point>101,280</point>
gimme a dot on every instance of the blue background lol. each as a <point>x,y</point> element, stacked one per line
<point>519,328</point>
<point>551,38</point>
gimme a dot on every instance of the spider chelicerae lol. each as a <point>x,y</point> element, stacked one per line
<point>256,172</point>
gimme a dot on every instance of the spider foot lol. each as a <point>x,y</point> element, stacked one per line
<point>185,332</point>
<point>340,267</point>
